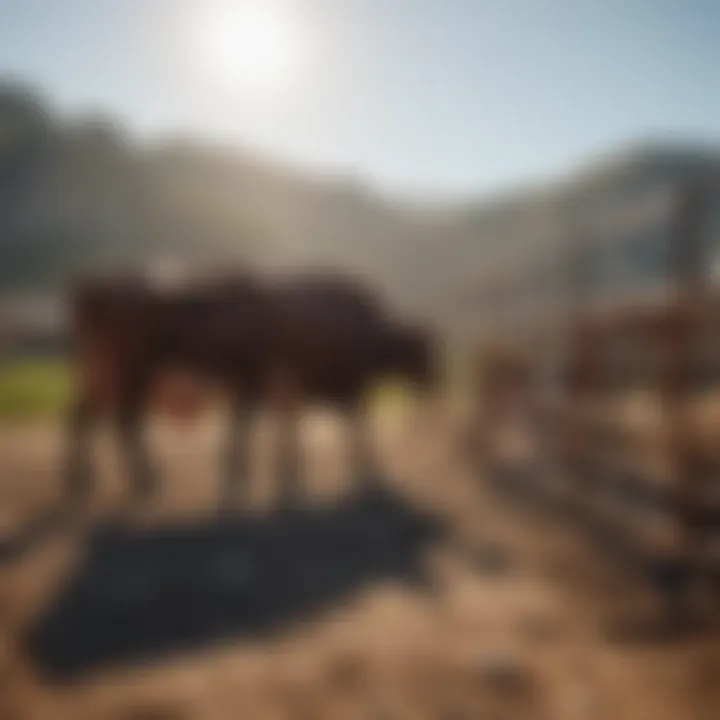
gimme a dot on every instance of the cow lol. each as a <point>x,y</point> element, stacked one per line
<point>334,341</point>
<point>286,342</point>
<point>127,335</point>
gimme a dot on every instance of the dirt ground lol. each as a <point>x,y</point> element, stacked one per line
<point>511,626</point>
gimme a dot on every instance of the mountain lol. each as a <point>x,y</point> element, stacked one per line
<point>80,193</point>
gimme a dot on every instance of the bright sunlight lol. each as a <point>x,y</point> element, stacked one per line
<point>252,45</point>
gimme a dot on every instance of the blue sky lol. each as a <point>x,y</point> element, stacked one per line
<point>415,96</point>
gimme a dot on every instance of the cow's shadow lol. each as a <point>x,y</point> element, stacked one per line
<point>144,594</point>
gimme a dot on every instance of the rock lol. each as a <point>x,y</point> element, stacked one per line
<point>347,671</point>
<point>541,628</point>
<point>504,674</point>
<point>154,711</point>
<point>494,559</point>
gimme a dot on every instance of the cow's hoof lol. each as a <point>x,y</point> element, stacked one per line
<point>369,481</point>
<point>78,487</point>
<point>143,492</point>
<point>289,505</point>
<point>230,508</point>
<point>232,499</point>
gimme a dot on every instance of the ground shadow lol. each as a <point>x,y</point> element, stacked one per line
<point>144,594</point>
<point>46,526</point>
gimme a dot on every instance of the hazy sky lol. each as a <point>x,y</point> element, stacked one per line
<point>413,95</point>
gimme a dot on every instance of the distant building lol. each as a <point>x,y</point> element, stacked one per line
<point>32,325</point>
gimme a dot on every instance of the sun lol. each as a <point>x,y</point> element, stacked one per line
<point>251,44</point>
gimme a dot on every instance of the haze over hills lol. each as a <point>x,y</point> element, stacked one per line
<point>81,193</point>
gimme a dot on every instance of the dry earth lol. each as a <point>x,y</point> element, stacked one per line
<point>511,628</point>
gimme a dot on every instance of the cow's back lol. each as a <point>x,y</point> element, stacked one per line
<point>113,322</point>
<point>183,343</point>
<point>329,331</point>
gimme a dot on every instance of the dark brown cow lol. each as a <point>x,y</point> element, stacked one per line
<point>128,335</point>
<point>335,341</point>
<point>288,342</point>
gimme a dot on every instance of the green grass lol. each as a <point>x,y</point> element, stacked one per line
<point>33,389</point>
<point>390,396</point>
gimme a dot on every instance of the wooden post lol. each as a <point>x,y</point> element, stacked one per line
<point>686,317</point>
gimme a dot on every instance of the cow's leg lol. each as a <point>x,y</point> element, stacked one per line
<point>236,465</point>
<point>130,416</point>
<point>142,479</point>
<point>289,489</point>
<point>364,464</point>
<point>77,470</point>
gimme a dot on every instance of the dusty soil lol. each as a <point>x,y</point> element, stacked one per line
<point>511,626</point>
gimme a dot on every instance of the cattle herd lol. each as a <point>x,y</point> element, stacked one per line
<point>281,342</point>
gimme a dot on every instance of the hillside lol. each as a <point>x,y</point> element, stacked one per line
<point>79,193</point>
